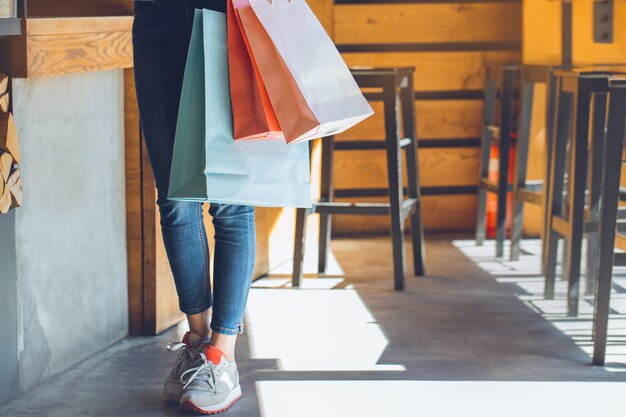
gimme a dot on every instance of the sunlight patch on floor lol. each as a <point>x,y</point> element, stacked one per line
<point>438,398</point>
<point>295,327</point>
<point>527,276</point>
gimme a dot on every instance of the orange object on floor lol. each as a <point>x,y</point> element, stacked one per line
<point>492,199</point>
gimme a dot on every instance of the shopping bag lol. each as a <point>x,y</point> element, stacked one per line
<point>309,84</point>
<point>253,115</point>
<point>208,164</point>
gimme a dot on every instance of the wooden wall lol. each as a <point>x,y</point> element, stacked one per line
<point>450,44</point>
<point>542,31</point>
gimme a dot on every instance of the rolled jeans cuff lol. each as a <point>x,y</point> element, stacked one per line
<point>195,310</point>
<point>229,331</point>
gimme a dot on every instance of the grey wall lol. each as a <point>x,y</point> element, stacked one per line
<point>70,232</point>
<point>8,308</point>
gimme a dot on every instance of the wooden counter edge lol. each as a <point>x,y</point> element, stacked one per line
<point>59,46</point>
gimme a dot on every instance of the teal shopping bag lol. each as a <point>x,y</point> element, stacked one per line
<point>208,164</point>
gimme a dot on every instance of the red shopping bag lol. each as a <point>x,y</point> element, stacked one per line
<point>311,89</point>
<point>253,115</point>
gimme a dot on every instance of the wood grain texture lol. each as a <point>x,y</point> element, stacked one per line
<point>57,46</point>
<point>77,45</point>
<point>77,8</point>
<point>437,71</point>
<point>132,161</point>
<point>439,213</point>
<point>149,242</point>
<point>438,167</point>
<point>69,26</point>
<point>436,119</point>
<point>427,23</point>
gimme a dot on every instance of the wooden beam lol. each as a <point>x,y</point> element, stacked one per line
<point>427,23</point>
<point>79,8</point>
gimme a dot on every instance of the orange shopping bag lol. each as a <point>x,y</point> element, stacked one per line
<point>311,89</point>
<point>253,116</point>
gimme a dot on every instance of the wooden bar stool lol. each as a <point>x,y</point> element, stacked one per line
<point>501,81</point>
<point>532,192</point>
<point>574,91</point>
<point>609,214</point>
<point>398,98</point>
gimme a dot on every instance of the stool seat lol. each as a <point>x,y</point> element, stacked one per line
<point>398,98</point>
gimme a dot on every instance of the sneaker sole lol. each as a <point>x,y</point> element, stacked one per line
<point>233,397</point>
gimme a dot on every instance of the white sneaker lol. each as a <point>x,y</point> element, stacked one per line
<point>188,357</point>
<point>213,386</point>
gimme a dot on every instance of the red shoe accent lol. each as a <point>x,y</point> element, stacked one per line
<point>191,407</point>
<point>213,354</point>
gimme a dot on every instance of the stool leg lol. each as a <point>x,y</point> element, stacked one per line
<point>394,159</point>
<point>555,197</point>
<point>608,219</point>
<point>577,187</point>
<point>327,194</point>
<point>489,118</point>
<point>597,152</point>
<point>506,125</point>
<point>412,167</point>
<point>521,162</point>
<point>298,251</point>
<point>550,117</point>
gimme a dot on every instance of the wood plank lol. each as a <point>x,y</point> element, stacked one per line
<point>68,26</point>
<point>427,23</point>
<point>149,241</point>
<point>440,213</point>
<point>54,46</point>
<point>77,8</point>
<point>436,119</point>
<point>541,32</point>
<point>50,55</point>
<point>438,167</point>
<point>437,71</point>
<point>132,161</point>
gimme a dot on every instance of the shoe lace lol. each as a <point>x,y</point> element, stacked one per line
<point>204,372</point>
<point>183,354</point>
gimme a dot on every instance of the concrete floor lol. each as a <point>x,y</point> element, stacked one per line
<point>471,338</point>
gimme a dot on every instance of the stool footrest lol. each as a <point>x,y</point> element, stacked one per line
<point>560,225</point>
<point>491,186</point>
<point>530,196</point>
<point>364,145</point>
<point>408,207</point>
<point>352,208</point>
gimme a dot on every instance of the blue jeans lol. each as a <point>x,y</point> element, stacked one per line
<point>161,33</point>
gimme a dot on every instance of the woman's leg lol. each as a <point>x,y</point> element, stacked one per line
<point>233,265</point>
<point>160,41</point>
